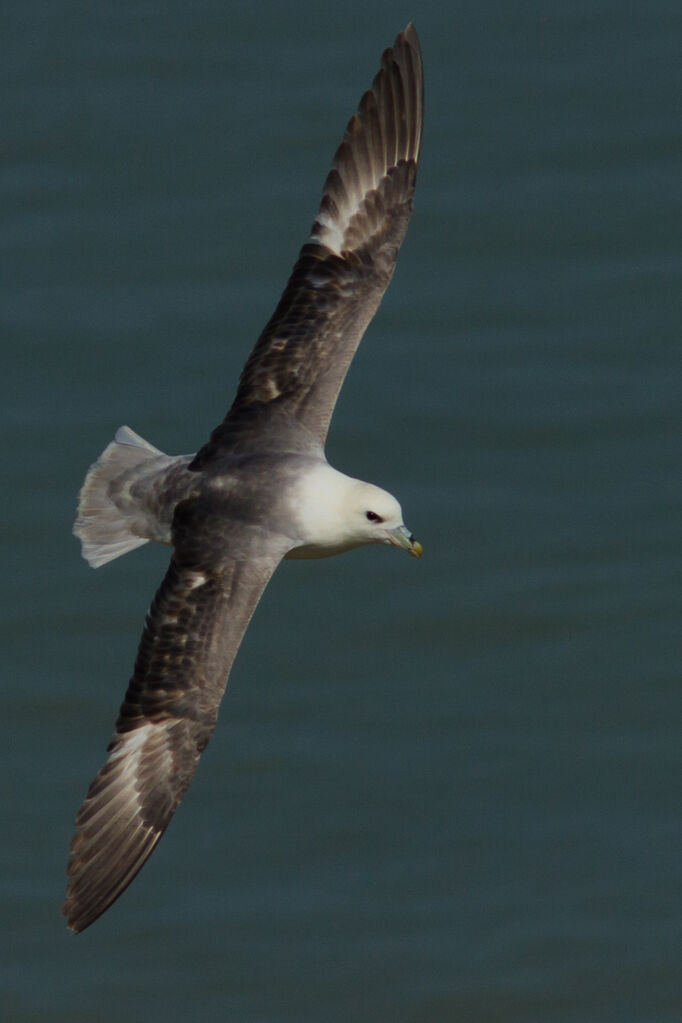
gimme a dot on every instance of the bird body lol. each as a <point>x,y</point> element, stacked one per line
<point>259,491</point>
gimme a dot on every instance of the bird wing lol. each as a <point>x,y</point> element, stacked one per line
<point>300,360</point>
<point>191,636</point>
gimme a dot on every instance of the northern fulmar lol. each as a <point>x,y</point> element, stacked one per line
<point>258,491</point>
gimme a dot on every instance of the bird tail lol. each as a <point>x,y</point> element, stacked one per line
<point>106,522</point>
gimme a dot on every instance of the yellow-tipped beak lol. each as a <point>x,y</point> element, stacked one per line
<point>402,537</point>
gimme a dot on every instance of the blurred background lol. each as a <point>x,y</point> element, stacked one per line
<point>439,790</point>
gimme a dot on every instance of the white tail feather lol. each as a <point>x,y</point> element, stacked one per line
<point>107,519</point>
<point>124,435</point>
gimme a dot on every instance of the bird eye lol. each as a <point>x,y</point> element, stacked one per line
<point>373,517</point>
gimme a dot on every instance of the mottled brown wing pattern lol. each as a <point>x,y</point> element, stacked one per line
<point>192,632</point>
<point>303,354</point>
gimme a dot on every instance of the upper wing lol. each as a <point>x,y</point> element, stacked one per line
<point>301,358</point>
<point>191,635</point>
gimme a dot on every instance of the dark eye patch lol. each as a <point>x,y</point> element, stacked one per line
<point>373,517</point>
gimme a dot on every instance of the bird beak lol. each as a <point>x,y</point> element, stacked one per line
<point>401,537</point>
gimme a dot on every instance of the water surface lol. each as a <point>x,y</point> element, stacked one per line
<point>439,790</point>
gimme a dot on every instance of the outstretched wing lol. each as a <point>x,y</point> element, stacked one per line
<point>191,635</point>
<point>301,358</point>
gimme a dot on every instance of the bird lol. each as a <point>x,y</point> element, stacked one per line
<point>260,490</point>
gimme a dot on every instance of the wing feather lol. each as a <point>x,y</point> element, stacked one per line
<point>192,632</point>
<point>300,360</point>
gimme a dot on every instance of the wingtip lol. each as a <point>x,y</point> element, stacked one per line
<point>406,38</point>
<point>74,925</point>
<point>72,928</point>
<point>76,917</point>
<point>410,36</point>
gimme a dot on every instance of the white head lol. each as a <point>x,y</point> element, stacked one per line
<point>335,513</point>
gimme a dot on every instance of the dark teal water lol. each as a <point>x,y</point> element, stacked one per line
<point>439,790</point>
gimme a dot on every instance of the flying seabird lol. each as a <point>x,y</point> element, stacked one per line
<point>258,491</point>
